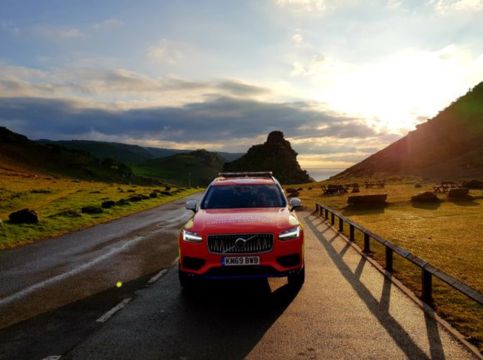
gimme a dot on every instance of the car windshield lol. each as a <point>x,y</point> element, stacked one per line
<point>243,196</point>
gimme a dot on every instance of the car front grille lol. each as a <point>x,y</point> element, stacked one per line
<point>240,243</point>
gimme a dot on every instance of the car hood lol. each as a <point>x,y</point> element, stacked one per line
<point>229,221</point>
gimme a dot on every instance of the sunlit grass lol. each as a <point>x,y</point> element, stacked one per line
<point>51,198</point>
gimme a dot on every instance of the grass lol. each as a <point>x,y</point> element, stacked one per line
<point>58,202</point>
<point>448,235</point>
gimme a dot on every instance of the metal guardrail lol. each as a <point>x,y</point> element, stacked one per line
<point>427,270</point>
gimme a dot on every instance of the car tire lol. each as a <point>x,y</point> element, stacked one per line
<point>297,280</point>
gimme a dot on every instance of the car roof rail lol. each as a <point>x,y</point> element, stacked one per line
<point>262,174</point>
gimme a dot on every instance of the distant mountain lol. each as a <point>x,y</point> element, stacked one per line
<point>17,151</point>
<point>449,146</point>
<point>126,153</point>
<point>196,168</point>
<point>275,155</point>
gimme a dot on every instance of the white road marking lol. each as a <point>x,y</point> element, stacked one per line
<point>114,310</point>
<point>29,290</point>
<point>157,276</point>
<point>52,357</point>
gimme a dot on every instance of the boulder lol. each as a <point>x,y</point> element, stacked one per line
<point>91,210</point>
<point>293,194</point>
<point>122,202</point>
<point>474,184</point>
<point>108,204</point>
<point>24,216</point>
<point>135,198</point>
<point>459,194</point>
<point>425,197</point>
<point>153,195</point>
<point>68,213</point>
<point>367,200</point>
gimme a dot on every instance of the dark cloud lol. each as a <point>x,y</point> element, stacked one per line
<point>210,122</point>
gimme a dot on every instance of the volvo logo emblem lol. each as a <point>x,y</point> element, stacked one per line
<point>240,242</point>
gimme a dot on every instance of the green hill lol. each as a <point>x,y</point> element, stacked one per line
<point>17,151</point>
<point>196,168</point>
<point>449,146</point>
<point>126,153</point>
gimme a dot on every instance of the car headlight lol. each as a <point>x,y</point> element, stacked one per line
<point>191,236</point>
<point>292,233</point>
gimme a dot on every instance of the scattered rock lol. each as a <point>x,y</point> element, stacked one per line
<point>459,194</point>
<point>135,198</point>
<point>356,189</point>
<point>91,210</point>
<point>167,188</point>
<point>310,188</point>
<point>130,190</point>
<point>167,193</point>
<point>473,184</point>
<point>95,192</point>
<point>377,199</point>
<point>417,186</point>
<point>426,197</point>
<point>24,216</point>
<point>153,195</point>
<point>40,191</point>
<point>122,202</point>
<point>293,194</point>
<point>108,204</point>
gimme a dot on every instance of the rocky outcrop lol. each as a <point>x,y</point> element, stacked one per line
<point>275,155</point>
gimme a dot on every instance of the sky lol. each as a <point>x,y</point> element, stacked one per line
<point>342,79</point>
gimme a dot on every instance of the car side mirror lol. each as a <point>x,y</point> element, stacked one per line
<point>295,203</point>
<point>192,205</point>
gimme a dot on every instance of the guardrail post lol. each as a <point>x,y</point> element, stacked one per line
<point>326,214</point>
<point>317,208</point>
<point>351,232</point>
<point>367,246</point>
<point>389,253</point>
<point>332,218</point>
<point>341,225</point>
<point>426,286</point>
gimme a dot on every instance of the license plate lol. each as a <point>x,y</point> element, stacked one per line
<point>241,260</point>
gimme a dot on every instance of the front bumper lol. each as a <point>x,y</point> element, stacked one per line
<point>286,258</point>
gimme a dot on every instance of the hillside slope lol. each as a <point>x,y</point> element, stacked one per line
<point>449,146</point>
<point>17,152</point>
<point>196,168</point>
<point>126,153</point>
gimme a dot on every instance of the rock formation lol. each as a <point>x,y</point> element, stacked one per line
<point>274,155</point>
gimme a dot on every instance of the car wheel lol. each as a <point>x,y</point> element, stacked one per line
<point>297,280</point>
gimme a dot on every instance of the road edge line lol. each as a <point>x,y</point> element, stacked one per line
<point>107,315</point>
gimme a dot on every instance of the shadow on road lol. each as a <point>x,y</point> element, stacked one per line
<point>380,307</point>
<point>230,318</point>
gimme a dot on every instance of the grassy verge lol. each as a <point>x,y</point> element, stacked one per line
<point>58,203</point>
<point>448,235</point>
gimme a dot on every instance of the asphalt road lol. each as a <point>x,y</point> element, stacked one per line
<point>49,274</point>
<point>345,310</point>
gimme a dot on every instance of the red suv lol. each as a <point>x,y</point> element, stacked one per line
<point>244,227</point>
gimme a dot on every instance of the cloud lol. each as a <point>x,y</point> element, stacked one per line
<point>225,122</point>
<point>453,6</point>
<point>57,33</point>
<point>164,52</point>
<point>108,24</point>
<point>303,5</point>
